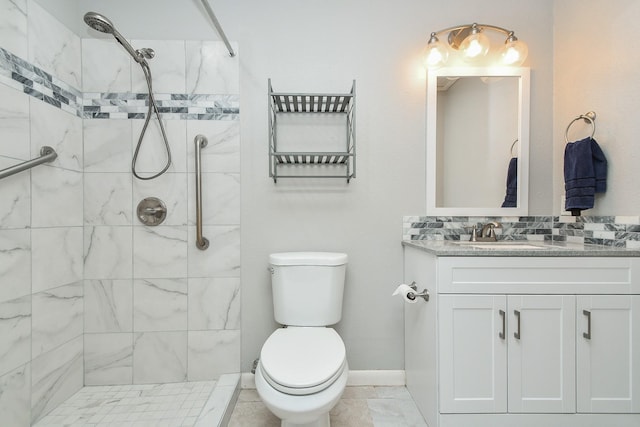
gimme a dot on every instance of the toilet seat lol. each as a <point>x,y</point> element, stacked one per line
<point>302,360</point>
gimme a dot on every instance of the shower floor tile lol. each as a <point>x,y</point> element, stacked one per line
<point>174,404</point>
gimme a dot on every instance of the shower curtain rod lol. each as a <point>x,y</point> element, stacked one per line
<point>212,15</point>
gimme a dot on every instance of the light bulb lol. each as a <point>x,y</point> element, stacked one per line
<point>514,52</point>
<point>475,46</point>
<point>436,53</point>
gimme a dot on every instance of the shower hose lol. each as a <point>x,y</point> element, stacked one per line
<point>152,107</point>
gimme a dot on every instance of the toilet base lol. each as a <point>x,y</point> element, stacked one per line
<point>301,411</point>
<point>323,421</point>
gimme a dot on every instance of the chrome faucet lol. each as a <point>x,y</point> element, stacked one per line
<point>487,233</point>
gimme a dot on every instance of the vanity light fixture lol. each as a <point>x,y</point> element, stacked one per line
<point>473,45</point>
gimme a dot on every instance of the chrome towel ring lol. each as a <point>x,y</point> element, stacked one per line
<point>589,118</point>
<point>512,147</point>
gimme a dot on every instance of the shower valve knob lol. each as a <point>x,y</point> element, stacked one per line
<point>151,211</point>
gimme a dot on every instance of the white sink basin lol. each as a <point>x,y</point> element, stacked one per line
<point>504,246</point>
<point>500,246</point>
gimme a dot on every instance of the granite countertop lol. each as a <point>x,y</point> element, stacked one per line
<point>518,249</point>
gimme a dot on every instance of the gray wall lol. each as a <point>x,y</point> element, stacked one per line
<point>596,68</point>
<point>321,46</point>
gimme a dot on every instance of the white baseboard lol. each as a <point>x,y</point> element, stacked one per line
<point>377,377</point>
<point>356,378</point>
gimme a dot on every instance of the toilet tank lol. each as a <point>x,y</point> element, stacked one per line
<point>307,287</point>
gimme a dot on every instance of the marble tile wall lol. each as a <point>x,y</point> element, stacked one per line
<point>41,215</point>
<point>161,309</point>
<point>89,295</point>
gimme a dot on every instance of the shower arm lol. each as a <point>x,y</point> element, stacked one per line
<point>212,15</point>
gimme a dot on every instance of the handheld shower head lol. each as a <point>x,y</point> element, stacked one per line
<point>104,25</point>
<point>99,22</point>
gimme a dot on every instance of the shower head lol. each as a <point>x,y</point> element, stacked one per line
<point>104,25</point>
<point>99,22</point>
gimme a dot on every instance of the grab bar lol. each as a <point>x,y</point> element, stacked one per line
<point>47,154</point>
<point>201,242</point>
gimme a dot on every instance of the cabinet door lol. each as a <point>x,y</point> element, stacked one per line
<point>472,354</point>
<point>541,353</point>
<point>608,353</point>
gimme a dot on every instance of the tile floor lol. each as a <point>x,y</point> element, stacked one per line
<point>174,405</point>
<point>203,404</point>
<point>365,406</point>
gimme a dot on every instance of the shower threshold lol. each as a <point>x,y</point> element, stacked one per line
<point>198,404</point>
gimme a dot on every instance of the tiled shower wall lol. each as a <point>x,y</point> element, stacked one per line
<point>88,295</point>
<point>41,221</point>
<point>157,309</point>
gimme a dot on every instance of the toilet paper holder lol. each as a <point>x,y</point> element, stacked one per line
<point>413,295</point>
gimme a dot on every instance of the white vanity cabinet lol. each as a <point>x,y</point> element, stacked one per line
<point>608,353</point>
<point>524,341</point>
<point>507,353</point>
<point>473,358</point>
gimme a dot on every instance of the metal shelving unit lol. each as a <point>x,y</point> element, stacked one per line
<point>340,104</point>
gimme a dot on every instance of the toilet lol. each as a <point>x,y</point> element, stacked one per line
<point>302,370</point>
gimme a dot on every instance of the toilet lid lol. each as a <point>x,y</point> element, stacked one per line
<point>300,357</point>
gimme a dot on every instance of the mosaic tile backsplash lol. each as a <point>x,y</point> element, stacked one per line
<point>620,231</point>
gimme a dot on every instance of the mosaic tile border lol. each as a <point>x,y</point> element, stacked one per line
<point>618,231</point>
<point>171,106</point>
<point>21,75</point>
<point>34,81</point>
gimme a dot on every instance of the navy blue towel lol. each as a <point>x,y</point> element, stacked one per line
<point>511,198</point>
<point>585,173</point>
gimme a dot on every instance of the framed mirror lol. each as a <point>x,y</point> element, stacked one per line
<point>478,141</point>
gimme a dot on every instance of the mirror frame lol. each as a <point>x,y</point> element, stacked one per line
<point>523,73</point>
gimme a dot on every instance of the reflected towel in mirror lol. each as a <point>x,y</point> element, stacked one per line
<point>511,198</point>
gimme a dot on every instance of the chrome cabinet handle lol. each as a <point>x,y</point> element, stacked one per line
<point>504,325</point>
<point>516,334</point>
<point>201,242</point>
<point>587,334</point>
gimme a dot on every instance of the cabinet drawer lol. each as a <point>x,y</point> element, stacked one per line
<point>538,275</point>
